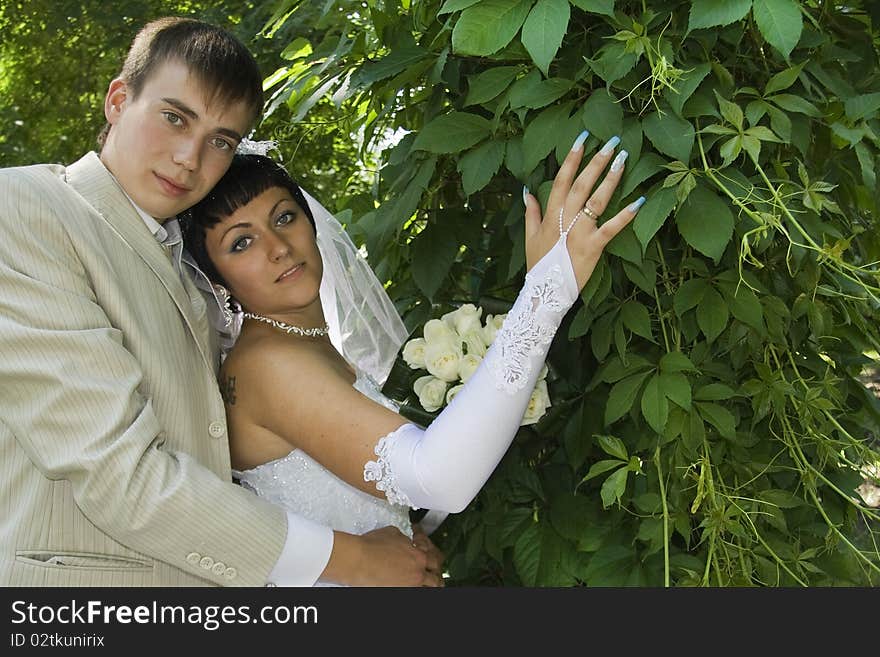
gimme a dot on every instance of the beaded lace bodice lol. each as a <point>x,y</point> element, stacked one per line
<point>303,486</point>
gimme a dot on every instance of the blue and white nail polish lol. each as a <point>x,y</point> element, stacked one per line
<point>579,142</point>
<point>610,145</point>
<point>635,205</point>
<point>525,196</point>
<point>617,164</point>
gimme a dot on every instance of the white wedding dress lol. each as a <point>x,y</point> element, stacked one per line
<point>301,485</point>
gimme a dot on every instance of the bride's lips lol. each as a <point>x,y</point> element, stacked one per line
<point>170,187</point>
<point>291,274</point>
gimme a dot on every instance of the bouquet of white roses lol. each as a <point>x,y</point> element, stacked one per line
<point>451,350</point>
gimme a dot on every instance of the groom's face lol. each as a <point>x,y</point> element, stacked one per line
<point>170,144</point>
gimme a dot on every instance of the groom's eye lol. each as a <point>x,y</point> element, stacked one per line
<point>172,118</point>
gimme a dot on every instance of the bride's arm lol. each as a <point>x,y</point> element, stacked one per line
<point>444,466</point>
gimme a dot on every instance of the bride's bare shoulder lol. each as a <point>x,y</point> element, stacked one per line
<point>268,360</point>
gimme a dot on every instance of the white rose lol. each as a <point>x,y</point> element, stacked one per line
<point>493,323</point>
<point>442,359</point>
<point>538,404</point>
<point>453,392</point>
<point>474,342</point>
<point>544,372</point>
<point>437,330</point>
<point>414,353</point>
<point>464,319</point>
<point>468,365</point>
<point>431,392</point>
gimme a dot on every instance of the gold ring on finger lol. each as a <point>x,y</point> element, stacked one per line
<point>592,215</point>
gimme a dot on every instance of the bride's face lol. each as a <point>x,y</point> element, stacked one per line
<point>267,252</point>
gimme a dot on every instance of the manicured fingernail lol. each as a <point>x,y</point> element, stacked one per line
<point>617,164</point>
<point>609,145</point>
<point>579,142</point>
<point>525,195</point>
<point>635,205</point>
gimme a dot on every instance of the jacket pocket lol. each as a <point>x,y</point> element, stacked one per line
<point>80,560</point>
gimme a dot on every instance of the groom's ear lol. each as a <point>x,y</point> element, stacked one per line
<point>115,99</point>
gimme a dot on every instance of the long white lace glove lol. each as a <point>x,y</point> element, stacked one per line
<point>444,466</point>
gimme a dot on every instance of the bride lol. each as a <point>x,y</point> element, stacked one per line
<point>314,335</point>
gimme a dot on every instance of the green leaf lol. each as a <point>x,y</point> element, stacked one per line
<point>685,87</point>
<point>712,13</point>
<point>670,135</point>
<point>614,487</point>
<point>488,26</point>
<point>613,62</point>
<point>655,407</point>
<point>488,84</point>
<point>610,566</point>
<point>605,7</point>
<point>433,253</point>
<point>602,115</point>
<point>652,215</point>
<point>636,318</point>
<point>625,245</point>
<point>612,445</point>
<point>714,392</point>
<point>675,361</point>
<point>792,103</point>
<point>536,145</point>
<point>389,65</point>
<point>706,222</point>
<point>646,166</point>
<point>622,396</point>
<point>780,23</point>
<point>677,388</point>
<point>601,467</point>
<point>479,165</point>
<point>689,294</point>
<point>452,133</point>
<point>859,107</point>
<point>543,31</point>
<point>744,305</point>
<point>719,417</point>
<point>531,92</point>
<point>731,112</point>
<point>537,557</point>
<point>783,80</point>
<point>455,5</point>
<point>513,524</point>
<point>712,315</point>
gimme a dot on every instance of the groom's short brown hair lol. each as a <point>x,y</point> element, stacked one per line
<point>224,65</point>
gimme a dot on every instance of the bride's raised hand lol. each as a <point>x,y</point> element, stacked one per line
<point>581,204</point>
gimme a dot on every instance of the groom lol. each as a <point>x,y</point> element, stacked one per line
<point>113,446</point>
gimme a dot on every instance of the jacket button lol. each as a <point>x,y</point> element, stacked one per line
<point>206,563</point>
<point>193,558</point>
<point>219,568</point>
<point>216,429</point>
<point>230,573</point>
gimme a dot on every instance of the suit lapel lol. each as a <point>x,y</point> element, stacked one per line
<point>91,179</point>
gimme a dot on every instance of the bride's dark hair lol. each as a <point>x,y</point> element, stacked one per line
<point>248,177</point>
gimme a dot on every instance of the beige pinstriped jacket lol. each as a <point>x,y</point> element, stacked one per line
<point>114,461</point>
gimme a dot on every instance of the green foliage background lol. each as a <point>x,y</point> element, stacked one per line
<point>707,425</point>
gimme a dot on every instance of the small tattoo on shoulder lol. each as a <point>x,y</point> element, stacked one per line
<point>227,390</point>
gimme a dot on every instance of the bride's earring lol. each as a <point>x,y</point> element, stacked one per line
<point>226,304</point>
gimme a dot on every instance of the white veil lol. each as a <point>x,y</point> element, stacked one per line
<point>364,325</point>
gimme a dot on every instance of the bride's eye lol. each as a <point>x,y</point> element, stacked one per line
<point>285,218</point>
<point>240,244</point>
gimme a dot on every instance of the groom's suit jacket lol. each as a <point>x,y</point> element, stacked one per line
<point>114,459</point>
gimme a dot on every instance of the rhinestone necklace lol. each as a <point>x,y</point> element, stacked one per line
<point>290,328</point>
